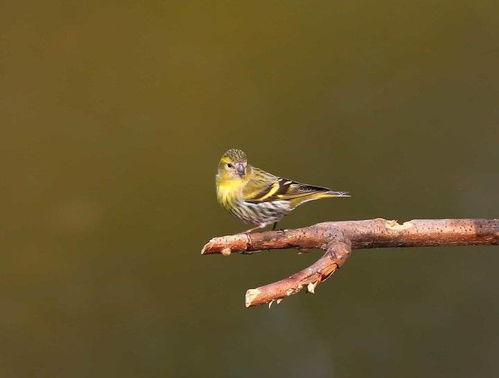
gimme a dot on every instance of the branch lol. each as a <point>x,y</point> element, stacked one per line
<point>339,238</point>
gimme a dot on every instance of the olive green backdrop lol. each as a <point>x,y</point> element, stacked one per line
<point>113,115</point>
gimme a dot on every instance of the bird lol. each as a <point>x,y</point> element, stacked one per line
<point>258,197</point>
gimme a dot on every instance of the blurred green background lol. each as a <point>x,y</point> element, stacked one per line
<point>113,116</point>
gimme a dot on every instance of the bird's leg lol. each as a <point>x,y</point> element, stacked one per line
<point>254,228</point>
<point>250,230</point>
<point>274,227</point>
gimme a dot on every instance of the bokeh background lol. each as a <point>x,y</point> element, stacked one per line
<point>113,115</point>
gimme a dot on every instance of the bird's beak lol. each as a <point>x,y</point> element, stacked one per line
<point>240,169</point>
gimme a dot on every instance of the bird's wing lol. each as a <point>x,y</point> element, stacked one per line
<point>265,187</point>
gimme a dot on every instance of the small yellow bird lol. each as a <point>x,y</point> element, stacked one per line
<point>258,197</point>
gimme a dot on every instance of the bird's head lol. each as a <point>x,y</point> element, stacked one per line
<point>233,165</point>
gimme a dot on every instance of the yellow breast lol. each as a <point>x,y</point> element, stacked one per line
<point>229,191</point>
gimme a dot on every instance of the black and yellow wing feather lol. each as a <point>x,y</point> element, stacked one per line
<point>265,187</point>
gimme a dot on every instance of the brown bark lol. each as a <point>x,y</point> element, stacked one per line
<point>339,238</point>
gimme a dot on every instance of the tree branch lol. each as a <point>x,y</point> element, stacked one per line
<point>339,238</point>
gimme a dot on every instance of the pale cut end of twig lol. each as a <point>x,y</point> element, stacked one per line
<point>226,251</point>
<point>250,296</point>
<point>394,225</point>
<point>207,246</point>
<point>311,287</point>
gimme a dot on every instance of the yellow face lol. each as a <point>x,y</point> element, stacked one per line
<point>233,167</point>
<point>233,174</point>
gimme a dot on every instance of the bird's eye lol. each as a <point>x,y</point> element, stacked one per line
<point>229,165</point>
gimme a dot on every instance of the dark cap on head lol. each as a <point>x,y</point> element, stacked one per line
<point>236,155</point>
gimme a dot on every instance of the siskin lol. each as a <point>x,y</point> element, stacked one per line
<point>258,197</point>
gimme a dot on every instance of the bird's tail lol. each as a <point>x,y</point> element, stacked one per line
<point>311,193</point>
<point>322,192</point>
<point>332,193</point>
